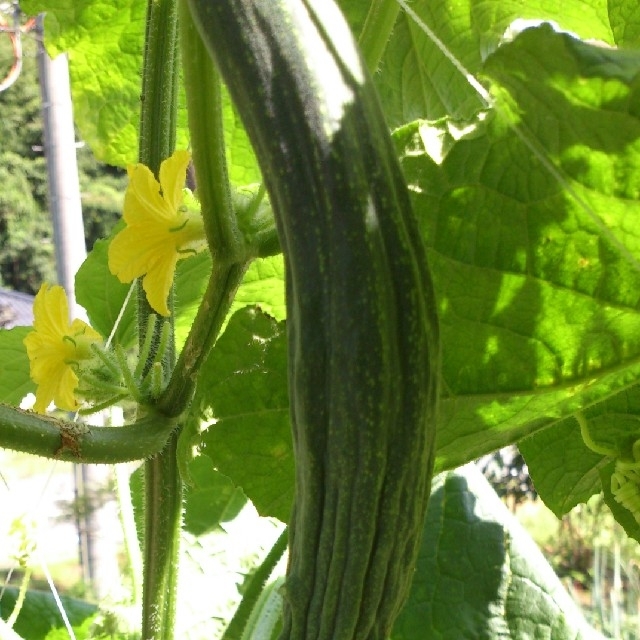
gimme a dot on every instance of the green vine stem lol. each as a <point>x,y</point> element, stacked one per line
<point>163,520</point>
<point>206,326</point>
<point>50,438</point>
<point>588,439</point>
<point>163,486</point>
<point>254,587</point>
<point>376,31</point>
<point>204,102</point>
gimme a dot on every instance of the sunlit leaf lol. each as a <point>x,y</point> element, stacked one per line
<point>533,253</point>
<point>243,386</point>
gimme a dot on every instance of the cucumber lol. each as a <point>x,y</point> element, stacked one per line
<point>361,316</point>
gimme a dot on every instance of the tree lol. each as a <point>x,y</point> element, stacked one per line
<point>26,251</point>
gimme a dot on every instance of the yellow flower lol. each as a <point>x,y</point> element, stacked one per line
<point>55,348</point>
<point>159,232</point>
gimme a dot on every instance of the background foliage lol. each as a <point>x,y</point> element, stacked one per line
<point>26,250</point>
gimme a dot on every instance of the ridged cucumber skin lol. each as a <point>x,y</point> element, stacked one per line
<point>362,324</point>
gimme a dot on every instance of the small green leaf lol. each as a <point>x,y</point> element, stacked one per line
<point>255,221</point>
<point>263,285</point>
<point>565,472</point>
<point>39,614</point>
<point>212,500</point>
<point>480,575</point>
<point>243,386</point>
<point>102,295</point>
<point>15,381</point>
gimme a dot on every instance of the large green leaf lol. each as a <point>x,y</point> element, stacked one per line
<point>480,575</point>
<point>417,80</point>
<point>243,386</point>
<point>15,381</point>
<point>536,270</point>
<point>39,615</point>
<point>104,39</point>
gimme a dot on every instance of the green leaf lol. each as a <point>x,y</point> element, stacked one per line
<point>15,382</point>
<point>263,285</point>
<point>39,614</point>
<point>624,16</point>
<point>212,500</point>
<point>416,79</point>
<point>104,39</point>
<point>241,160</point>
<point>564,471</point>
<point>192,276</point>
<point>480,575</point>
<point>102,295</point>
<point>256,221</point>
<point>536,271</point>
<point>243,386</point>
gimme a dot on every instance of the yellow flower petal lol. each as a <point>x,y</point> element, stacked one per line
<point>55,347</point>
<point>158,231</point>
<point>132,252</point>
<point>157,283</point>
<point>59,390</point>
<point>50,311</point>
<point>173,173</point>
<point>142,199</point>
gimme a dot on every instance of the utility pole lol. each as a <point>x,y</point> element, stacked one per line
<point>98,554</point>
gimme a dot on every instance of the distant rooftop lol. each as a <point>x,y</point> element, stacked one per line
<point>16,309</point>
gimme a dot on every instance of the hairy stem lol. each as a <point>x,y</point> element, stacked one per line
<point>204,102</point>
<point>163,487</point>
<point>377,31</point>
<point>49,438</point>
<point>163,518</point>
<point>254,587</point>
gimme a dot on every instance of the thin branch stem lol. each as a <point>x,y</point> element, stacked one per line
<point>50,438</point>
<point>163,487</point>
<point>204,102</point>
<point>203,90</point>
<point>377,30</point>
